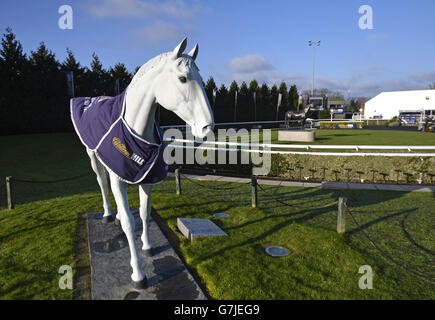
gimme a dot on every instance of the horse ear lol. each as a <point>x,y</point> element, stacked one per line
<point>194,52</point>
<point>180,48</point>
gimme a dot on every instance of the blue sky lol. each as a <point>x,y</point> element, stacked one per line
<point>243,40</point>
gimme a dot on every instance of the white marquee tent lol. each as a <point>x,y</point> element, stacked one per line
<point>387,105</point>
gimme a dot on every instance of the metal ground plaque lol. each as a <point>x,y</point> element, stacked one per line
<point>197,228</point>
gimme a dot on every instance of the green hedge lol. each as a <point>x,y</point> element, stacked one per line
<point>376,122</point>
<point>281,165</point>
<point>332,125</point>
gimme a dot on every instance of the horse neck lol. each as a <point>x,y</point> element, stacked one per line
<point>141,107</point>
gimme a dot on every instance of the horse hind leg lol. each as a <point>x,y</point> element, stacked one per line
<point>103,182</point>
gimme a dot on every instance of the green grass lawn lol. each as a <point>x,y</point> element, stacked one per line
<point>375,137</point>
<point>39,236</point>
<point>361,137</point>
<point>368,137</point>
<point>365,137</point>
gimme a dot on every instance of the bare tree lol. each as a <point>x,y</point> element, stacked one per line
<point>432,85</point>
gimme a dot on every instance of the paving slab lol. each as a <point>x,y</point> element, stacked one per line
<point>313,184</point>
<point>208,177</point>
<point>198,228</point>
<point>168,278</point>
<point>361,186</point>
<point>348,185</point>
<point>417,188</point>
<point>335,185</point>
<point>325,185</point>
<point>293,184</point>
<point>234,179</point>
<point>390,187</point>
<point>269,182</point>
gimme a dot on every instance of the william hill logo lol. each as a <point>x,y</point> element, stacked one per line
<point>345,126</point>
<point>123,149</point>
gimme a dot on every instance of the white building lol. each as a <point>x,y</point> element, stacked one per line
<point>387,105</point>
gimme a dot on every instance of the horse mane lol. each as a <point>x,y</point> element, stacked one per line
<point>157,61</point>
<point>150,64</point>
<point>308,108</point>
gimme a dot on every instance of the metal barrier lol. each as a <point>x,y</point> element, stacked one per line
<point>10,180</point>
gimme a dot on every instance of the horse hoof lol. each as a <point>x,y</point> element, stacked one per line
<point>117,222</point>
<point>148,252</point>
<point>140,285</point>
<point>108,219</point>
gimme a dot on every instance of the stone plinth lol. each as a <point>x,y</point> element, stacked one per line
<point>296,135</point>
<point>168,278</point>
<point>197,228</point>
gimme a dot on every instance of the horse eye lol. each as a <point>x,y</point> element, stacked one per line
<point>182,79</point>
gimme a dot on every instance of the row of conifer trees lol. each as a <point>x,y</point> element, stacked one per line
<point>34,92</point>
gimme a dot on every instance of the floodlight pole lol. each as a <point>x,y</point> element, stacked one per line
<point>313,44</point>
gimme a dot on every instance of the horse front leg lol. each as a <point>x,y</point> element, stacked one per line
<point>103,182</point>
<point>145,213</point>
<point>119,190</point>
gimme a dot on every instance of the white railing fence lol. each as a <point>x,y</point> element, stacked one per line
<point>267,148</point>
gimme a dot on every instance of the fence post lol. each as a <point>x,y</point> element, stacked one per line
<point>9,193</point>
<point>341,219</point>
<point>254,191</point>
<point>177,181</point>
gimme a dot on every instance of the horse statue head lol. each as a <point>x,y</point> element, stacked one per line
<point>172,80</point>
<point>187,96</point>
<point>308,108</point>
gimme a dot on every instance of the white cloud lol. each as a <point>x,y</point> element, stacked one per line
<point>365,89</point>
<point>423,77</point>
<point>176,9</point>
<point>269,77</point>
<point>249,63</point>
<point>160,31</point>
<point>156,21</point>
<point>363,82</point>
<point>372,88</point>
<point>351,86</point>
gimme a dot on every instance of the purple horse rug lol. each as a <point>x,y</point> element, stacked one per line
<point>100,125</point>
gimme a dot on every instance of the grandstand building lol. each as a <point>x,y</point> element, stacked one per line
<point>411,105</point>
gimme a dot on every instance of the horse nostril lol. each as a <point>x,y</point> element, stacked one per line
<point>208,128</point>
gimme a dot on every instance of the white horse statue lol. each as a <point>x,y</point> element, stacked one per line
<point>301,117</point>
<point>124,141</point>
